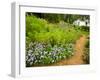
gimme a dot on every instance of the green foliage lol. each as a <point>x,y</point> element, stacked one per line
<point>33,26</point>
<point>86,56</point>
<point>85,28</point>
<point>46,36</point>
<point>55,18</point>
<point>39,30</point>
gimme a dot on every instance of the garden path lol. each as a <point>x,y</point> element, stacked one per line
<point>77,57</point>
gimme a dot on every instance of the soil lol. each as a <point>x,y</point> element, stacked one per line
<point>76,59</point>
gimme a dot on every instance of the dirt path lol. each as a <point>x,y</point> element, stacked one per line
<point>77,57</point>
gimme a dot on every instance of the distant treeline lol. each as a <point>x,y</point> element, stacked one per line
<point>55,18</point>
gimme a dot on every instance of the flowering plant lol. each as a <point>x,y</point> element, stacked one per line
<point>44,54</point>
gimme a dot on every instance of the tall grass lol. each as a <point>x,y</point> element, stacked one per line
<point>40,30</point>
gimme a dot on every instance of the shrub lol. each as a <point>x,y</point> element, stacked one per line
<point>85,28</point>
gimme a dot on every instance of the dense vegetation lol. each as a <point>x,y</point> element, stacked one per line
<point>50,38</point>
<point>86,56</point>
<point>55,18</point>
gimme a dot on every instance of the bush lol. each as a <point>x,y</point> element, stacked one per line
<point>85,28</point>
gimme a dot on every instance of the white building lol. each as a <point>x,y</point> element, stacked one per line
<point>79,22</point>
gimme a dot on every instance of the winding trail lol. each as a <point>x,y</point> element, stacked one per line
<point>76,59</point>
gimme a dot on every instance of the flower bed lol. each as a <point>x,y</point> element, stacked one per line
<point>44,54</point>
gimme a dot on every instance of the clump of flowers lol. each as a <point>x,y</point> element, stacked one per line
<point>38,54</point>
